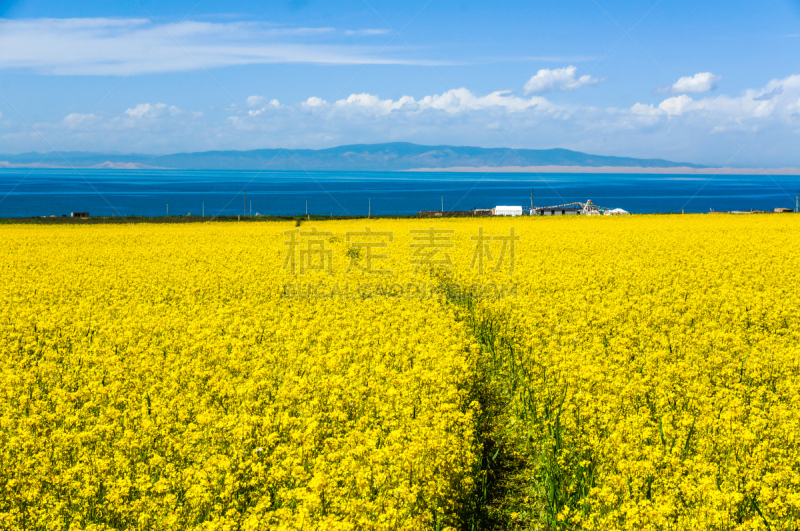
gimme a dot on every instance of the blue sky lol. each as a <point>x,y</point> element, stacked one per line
<point>708,82</point>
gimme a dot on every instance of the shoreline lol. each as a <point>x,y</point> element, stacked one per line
<point>300,219</point>
<point>553,169</point>
<point>678,170</point>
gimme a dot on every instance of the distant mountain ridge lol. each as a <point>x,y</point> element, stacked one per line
<point>394,156</point>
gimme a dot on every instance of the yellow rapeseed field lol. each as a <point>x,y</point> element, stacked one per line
<point>572,373</point>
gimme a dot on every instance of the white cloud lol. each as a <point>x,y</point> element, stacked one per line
<point>679,105</point>
<point>314,101</point>
<point>273,104</point>
<point>75,119</point>
<point>147,110</point>
<point>702,82</point>
<point>459,100</point>
<point>374,103</point>
<point>140,110</point>
<point>366,32</point>
<point>144,128</point>
<point>255,101</point>
<point>564,79</point>
<point>241,123</point>
<point>453,101</point>
<point>779,99</point>
<point>105,46</point>
<point>646,110</point>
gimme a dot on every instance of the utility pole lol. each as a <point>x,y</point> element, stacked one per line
<point>797,202</point>
<point>244,203</point>
<point>251,208</point>
<point>204,209</point>
<point>531,201</point>
<point>442,204</point>
<point>167,209</point>
<point>308,218</point>
<point>369,211</point>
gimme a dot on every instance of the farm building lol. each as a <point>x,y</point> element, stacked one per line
<point>783,210</point>
<point>79,215</point>
<point>560,211</point>
<point>507,211</point>
<point>454,213</point>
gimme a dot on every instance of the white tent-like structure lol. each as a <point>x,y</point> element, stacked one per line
<point>507,211</point>
<point>616,212</point>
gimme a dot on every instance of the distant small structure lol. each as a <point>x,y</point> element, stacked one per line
<point>562,211</point>
<point>507,211</point>
<point>460,213</point>
<point>783,210</point>
<point>616,212</point>
<point>575,207</point>
<point>82,215</point>
<point>454,213</point>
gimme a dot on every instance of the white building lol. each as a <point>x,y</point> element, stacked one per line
<point>617,212</point>
<point>507,211</point>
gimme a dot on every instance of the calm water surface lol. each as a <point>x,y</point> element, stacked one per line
<point>25,192</point>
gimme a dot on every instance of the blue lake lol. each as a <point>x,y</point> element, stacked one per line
<point>40,192</point>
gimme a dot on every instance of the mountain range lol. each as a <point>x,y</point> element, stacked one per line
<point>395,156</point>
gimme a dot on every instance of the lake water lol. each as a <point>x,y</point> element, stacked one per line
<point>40,192</point>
